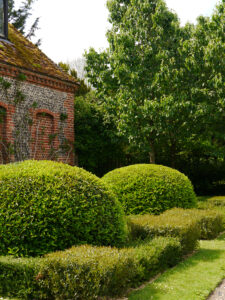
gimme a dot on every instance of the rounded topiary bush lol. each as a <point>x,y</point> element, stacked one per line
<point>47,206</point>
<point>150,188</point>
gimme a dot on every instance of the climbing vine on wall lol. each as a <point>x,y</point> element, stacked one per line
<point>25,145</point>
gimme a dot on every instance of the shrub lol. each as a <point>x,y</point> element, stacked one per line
<point>17,277</point>
<point>210,221</point>
<point>47,206</point>
<point>150,188</point>
<point>87,272</point>
<point>187,230</point>
<point>217,201</point>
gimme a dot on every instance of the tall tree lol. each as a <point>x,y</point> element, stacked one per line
<point>139,75</point>
<point>207,49</point>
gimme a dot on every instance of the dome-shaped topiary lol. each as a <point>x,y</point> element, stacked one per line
<point>150,188</point>
<point>47,206</point>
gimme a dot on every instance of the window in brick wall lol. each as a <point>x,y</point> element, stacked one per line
<point>43,144</point>
<point>2,135</point>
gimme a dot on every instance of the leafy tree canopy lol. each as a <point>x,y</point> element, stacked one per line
<point>164,83</point>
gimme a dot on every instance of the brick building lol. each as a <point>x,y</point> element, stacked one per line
<point>36,103</point>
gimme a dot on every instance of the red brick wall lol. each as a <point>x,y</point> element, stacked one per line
<point>3,154</point>
<point>6,132</point>
<point>43,143</point>
<point>43,125</point>
<point>69,129</point>
<point>47,124</point>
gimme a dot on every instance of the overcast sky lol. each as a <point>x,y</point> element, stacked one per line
<point>69,27</point>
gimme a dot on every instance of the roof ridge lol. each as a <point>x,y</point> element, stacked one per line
<point>23,53</point>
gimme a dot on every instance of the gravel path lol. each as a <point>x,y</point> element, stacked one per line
<point>219,293</point>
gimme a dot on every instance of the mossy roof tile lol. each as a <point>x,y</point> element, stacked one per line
<point>24,54</point>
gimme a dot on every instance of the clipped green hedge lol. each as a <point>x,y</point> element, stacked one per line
<point>217,201</point>
<point>150,188</point>
<point>187,230</point>
<point>87,272</point>
<point>18,277</point>
<point>47,206</point>
<point>211,222</point>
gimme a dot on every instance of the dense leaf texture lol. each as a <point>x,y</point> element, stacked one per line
<point>165,86</point>
<point>186,230</point>
<point>18,277</point>
<point>150,188</point>
<point>46,206</point>
<point>87,272</point>
<point>138,76</point>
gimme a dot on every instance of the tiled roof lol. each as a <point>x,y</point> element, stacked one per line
<point>24,54</point>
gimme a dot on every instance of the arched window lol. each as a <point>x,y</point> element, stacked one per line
<point>4,19</point>
<point>44,136</point>
<point>3,146</point>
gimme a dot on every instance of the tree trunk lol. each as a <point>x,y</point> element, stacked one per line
<point>152,153</point>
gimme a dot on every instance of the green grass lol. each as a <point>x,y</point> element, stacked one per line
<point>193,279</point>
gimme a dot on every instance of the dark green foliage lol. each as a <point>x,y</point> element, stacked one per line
<point>187,230</point>
<point>47,206</point>
<point>5,85</point>
<point>150,188</point>
<point>63,117</point>
<point>2,116</point>
<point>17,277</point>
<point>87,272</point>
<point>164,83</point>
<point>97,145</point>
<point>205,168</point>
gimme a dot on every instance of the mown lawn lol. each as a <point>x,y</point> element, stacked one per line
<point>193,279</point>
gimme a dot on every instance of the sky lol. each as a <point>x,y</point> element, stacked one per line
<point>69,27</point>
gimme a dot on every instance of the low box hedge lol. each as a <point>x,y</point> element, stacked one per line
<point>212,202</point>
<point>187,230</point>
<point>211,221</point>
<point>188,225</point>
<point>18,277</point>
<point>217,201</point>
<point>86,272</point>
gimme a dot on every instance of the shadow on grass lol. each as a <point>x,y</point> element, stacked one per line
<point>221,237</point>
<point>154,293</point>
<point>203,198</point>
<point>203,255</point>
<point>149,293</point>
